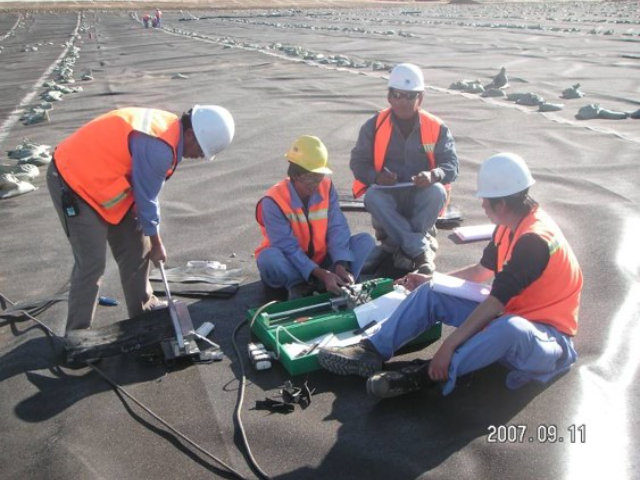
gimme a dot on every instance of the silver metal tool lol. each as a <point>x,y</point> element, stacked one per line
<point>173,313</point>
<point>333,304</point>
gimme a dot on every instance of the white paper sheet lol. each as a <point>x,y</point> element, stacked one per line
<point>460,288</point>
<point>475,232</point>
<point>379,309</point>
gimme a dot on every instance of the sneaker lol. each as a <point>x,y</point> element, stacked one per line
<point>390,384</point>
<point>360,359</point>
<point>424,263</point>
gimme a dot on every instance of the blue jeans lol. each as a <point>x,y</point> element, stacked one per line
<point>277,271</point>
<point>531,350</point>
<point>406,214</point>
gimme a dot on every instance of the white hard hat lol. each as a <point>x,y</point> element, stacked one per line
<point>406,76</point>
<point>502,175</point>
<point>213,127</point>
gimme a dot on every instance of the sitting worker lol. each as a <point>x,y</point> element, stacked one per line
<point>526,323</point>
<point>306,235</point>
<point>405,145</point>
<point>104,181</point>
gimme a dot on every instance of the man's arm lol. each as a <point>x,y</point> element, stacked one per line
<point>473,273</point>
<point>528,261</point>
<point>482,315</point>
<point>338,232</point>
<point>281,237</point>
<point>361,162</point>
<point>151,159</point>
<point>446,170</point>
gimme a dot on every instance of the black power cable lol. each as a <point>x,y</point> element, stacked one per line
<point>4,300</point>
<point>243,378</point>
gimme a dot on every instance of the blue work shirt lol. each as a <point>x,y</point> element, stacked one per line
<point>281,235</point>
<point>151,158</point>
<point>404,157</point>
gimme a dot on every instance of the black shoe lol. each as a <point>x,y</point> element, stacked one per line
<point>300,290</point>
<point>402,262</point>
<point>361,359</point>
<point>411,378</point>
<point>424,263</point>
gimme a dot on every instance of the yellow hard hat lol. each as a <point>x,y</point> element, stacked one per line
<point>309,153</point>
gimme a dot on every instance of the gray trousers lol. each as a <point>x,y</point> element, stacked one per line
<point>406,214</point>
<point>88,236</point>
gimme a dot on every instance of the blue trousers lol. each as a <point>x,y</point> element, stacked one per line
<point>531,350</point>
<point>406,214</point>
<point>277,271</point>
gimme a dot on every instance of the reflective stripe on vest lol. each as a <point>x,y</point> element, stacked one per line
<point>429,134</point>
<point>554,298</point>
<point>96,163</point>
<point>310,229</point>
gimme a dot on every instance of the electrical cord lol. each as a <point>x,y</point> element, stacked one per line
<point>241,389</point>
<point>116,386</point>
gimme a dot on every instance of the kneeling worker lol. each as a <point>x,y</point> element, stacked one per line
<point>526,323</point>
<point>306,235</point>
<point>104,181</point>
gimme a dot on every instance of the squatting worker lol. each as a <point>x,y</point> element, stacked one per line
<point>104,181</point>
<point>404,144</point>
<point>306,237</point>
<point>526,323</point>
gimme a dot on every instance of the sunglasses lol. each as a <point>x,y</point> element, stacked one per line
<point>407,95</point>
<point>311,179</point>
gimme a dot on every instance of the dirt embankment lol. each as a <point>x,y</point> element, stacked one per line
<point>195,4</point>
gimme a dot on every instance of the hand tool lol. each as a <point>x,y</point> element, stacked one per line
<point>173,313</point>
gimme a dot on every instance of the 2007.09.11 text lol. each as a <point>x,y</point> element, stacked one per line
<point>541,434</point>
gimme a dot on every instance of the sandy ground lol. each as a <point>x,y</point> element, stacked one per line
<point>267,68</point>
<point>196,4</point>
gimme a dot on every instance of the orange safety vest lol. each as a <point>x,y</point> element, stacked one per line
<point>554,298</point>
<point>429,134</point>
<point>310,229</point>
<point>96,163</point>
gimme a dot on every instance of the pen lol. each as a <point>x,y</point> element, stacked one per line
<point>388,171</point>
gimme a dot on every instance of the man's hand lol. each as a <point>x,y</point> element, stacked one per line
<point>332,282</point>
<point>439,366</point>
<point>424,179</point>
<point>411,281</point>
<point>386,178</point>
<point>157,253</point>
<point>344,274</point>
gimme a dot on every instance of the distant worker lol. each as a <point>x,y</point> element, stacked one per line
<point>156,19</point>
<point>400,145</point>
<point>305,234</point>
<point>104,181</point>
<point>146,19</point>
<point>527,323</point>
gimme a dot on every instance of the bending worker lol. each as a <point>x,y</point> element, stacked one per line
<point>405,145</point>
<point>527,322</point>
<point>104,181</point>
<point>306,236</point>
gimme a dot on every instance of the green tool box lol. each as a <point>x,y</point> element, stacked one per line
<point>311,326</point>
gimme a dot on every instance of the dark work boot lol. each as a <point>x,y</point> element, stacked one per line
<point>409,379</point>
<point>361,359</point>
